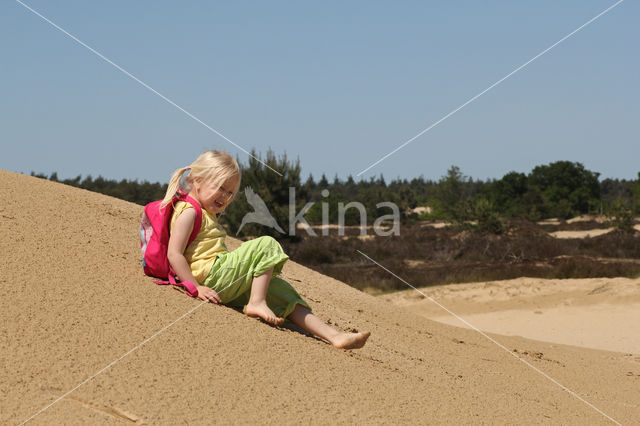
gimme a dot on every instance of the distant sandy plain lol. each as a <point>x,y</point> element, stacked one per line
<point>86,338</point>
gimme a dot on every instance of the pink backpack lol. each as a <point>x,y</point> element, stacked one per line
<point>154,240</point>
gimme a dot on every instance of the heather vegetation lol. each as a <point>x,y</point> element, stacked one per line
<point>423,255</point>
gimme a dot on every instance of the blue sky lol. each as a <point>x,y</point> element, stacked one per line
<point>336,84</point>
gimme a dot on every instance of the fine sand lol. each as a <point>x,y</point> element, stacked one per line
<point>588,218</point>
<point>581,234</point>
<point>86,338</point>
<point>599,313</point>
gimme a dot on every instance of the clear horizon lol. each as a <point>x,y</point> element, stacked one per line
<point>305,176</point>
<point>337,85</point>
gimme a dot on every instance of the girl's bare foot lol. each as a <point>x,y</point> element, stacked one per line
<point>350,340</point>
<point>261,310</point>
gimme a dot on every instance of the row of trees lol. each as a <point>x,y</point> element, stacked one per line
<point>560,189</point>
<point>129,190</point>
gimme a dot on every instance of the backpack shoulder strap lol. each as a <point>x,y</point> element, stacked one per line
<point>197,223</point>
<point>189,287</point>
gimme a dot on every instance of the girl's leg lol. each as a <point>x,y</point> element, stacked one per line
<point>257,305</point>
<point>302,317</point>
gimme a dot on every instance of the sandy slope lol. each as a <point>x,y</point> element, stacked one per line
<point>599,313</point>
<point>75,300</point>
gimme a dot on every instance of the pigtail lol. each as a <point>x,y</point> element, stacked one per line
<point>211,166</point>
<point>174,185</point>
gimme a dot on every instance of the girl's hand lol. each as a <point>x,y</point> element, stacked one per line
<point>207,294</point>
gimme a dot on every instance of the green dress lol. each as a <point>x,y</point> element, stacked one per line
<point>232,274</point>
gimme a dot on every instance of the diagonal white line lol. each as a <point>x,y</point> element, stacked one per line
<point>490,87</point>
<point>156,334</point>
<point>545,375</point>
<point>136,79</point>
<point>114,362</point>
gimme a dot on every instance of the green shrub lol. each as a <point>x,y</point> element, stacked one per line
<point>488,220</point>
<point>620,216</point>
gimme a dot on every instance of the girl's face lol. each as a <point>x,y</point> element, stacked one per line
<point>214,199</point>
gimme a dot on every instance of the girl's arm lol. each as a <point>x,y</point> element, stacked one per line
<point>177,244</point>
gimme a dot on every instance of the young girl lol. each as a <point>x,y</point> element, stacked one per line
<point>246,276</point>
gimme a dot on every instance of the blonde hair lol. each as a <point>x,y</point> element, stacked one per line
<point>215,167</point>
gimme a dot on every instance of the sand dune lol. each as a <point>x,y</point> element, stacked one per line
<point>581,234</point>
<point>588,218</point>
<point>78,315</point>
<point>599,313</point>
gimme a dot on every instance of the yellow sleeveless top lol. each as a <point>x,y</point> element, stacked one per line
<point>202,252</point>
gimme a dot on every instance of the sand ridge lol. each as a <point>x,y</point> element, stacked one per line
<point>75,300</point>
